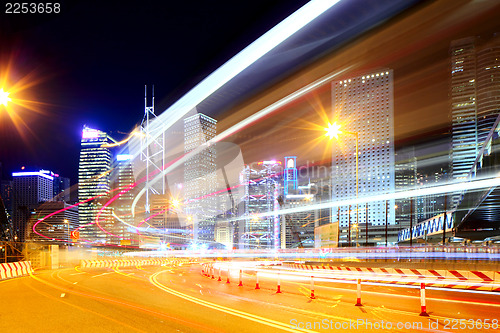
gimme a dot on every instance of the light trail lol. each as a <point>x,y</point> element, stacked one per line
<point>235,66</point>
<point>127,139</point>
<point>111,300</point>
<point>245,315</point>
<point>241,125</point>
<point>60,211</point>
<point>454,187</point>
<point>244,59</point>
<point>109,202</point>
<point>349,277</point>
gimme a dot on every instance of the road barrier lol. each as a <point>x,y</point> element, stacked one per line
<point>279,284</point>
<point>15,269</point>
<point>458,279</point>
<point>358,293</point>
<point>475,280</point>
<point>312,287</point>
<point>423,307</point>
<point>129,263</point>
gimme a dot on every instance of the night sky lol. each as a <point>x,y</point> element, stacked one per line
<point>89,63</point>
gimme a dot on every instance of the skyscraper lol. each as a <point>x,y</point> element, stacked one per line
<point>463,107</point>
<point>7,196</point>
<point>30,189</point>
<point>200,178</point>
<point>61,188</point>
<point>123,180</point>
<point>263,191</point>
<point>405,180</point>
<point>94,184</point>
<point>475,99</point>
<point>364,105</point>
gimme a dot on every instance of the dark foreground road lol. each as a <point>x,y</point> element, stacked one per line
<point>180,299</point>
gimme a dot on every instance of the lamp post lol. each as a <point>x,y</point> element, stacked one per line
<point>67,225</point>
<point>333,130</point>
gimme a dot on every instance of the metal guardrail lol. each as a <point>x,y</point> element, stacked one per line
<point>11,252</point>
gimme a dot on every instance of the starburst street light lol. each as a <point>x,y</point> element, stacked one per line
<point>176,203</point>
<point>4,97</point>
<point>333,131</point>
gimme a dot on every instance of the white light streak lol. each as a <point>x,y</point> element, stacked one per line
<point>235,66</point>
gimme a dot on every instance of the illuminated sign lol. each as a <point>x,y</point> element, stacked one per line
<point>47,172</point>
<point>35,173</point>
<point>269,162</point>
<point>89,133</point>
<point>75,234</point>
<point>124,157</point>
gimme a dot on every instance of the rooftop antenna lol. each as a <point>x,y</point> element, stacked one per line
<point>152,148</point>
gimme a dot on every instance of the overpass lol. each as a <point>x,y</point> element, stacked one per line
<point>477,215</point>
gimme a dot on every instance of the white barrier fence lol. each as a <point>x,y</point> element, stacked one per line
<point>130,263</point>
<point>15,269</point>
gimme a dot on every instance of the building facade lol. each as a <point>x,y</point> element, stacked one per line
<point>94,186</point>
<point>123,182</point>
<point>55,229</point>
<point>363,105</point>
<point>200,178</point>
<point>30,189</point>
<point>405,180</point>
<point>263,193</point>
<point>475,99</point>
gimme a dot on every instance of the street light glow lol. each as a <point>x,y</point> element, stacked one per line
<point>333,131</point>
<point>4,97</point>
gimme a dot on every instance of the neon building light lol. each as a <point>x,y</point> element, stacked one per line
<point>290,174</point>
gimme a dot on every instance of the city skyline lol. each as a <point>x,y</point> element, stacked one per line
<point>43,60</point>
<point>285,138</point>
<point>250,166</point>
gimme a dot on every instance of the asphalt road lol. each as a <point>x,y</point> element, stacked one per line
<point>181,299</point>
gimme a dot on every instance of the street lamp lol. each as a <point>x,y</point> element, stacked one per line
<point>4,97</point>
<point>333,131</point>
<point>67,224</point>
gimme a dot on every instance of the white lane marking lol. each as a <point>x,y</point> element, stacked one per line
<point>78,273</point>
<point>101,274</point>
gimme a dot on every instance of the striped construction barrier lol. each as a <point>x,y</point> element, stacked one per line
<point>460,279</point>
<point>15,269</point>
<point>132,262</point>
